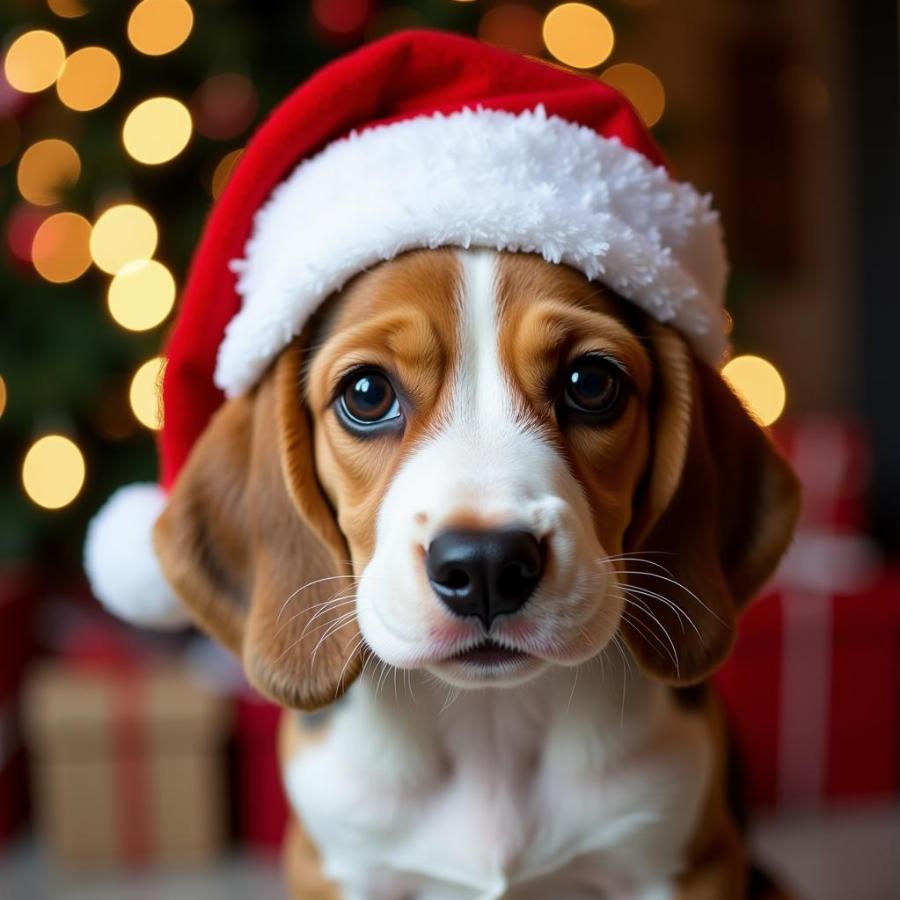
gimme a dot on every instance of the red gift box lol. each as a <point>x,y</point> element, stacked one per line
<point>832,459</point>
<point>262,806</point>
<point>18,591</point>
<point>812,690</point>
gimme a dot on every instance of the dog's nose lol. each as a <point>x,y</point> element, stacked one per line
<point>484,573</point>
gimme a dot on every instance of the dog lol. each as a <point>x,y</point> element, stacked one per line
<point>498,525</point>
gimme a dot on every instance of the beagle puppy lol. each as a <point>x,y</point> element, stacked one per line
<point>492,520</point>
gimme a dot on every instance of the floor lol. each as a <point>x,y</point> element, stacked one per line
<point>851,855</point>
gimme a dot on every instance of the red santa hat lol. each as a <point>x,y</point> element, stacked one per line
<point>419,140</point>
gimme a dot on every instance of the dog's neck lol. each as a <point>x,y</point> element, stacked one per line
<point>424,727</point>
<point>578,764</point>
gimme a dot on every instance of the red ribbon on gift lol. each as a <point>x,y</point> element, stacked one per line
<point>103,652</point>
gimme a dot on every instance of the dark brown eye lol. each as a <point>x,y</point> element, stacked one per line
<point>368,399</point>
<point>594,387</point>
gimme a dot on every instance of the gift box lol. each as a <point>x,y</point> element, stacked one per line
<point>832,459</point>
<point>812,691</point>
<point>127,761</point>
<point>18,596</point>
<point>262,807</point>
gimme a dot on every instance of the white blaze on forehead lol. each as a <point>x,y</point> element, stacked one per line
<point>482,391</point>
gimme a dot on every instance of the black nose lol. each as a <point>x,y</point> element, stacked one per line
<point>484,573</point>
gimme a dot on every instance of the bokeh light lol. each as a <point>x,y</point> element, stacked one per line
<point>144,394</point>
<point>53,471</point>
<point>34,60</point>
<point>88,79</point>
<point>513,26</point>
<point>157,130</point>
<point>21,227</point>
<point>342,17</point>
<point>578,35</point>
<point>121,235</point>
<point>67,9</point>
<point>224,106</point>
<point>141,295</point>
<point>641,87</point>
<point>60,251</point>
<point>2,396</point>
<point>757,382</point>
<point>223,172</point>
<point>156,27</point>
<point>46,170</point>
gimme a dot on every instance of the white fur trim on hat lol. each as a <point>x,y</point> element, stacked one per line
<point>121,563</point>
<point>522,182</point>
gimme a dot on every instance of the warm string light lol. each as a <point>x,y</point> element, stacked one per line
<point>757,382</point>
<point>141,295</point>
<point>578,35</point>
<point>88,79</point>
<point>223,172</point>
<point>123,239</point>
<point>144,393</point>
<point>122,234</point>
<point>46,170</point>
<point>67,9</point>
<point>21,227</point>
<point>60,251</point>
<point>157,130</point>
<point>341,17</point>
<point>513,26</point>
<point>157,27</point>
<point>53,471</point>
<point>641,87</point>
<point>224,106</point>
<point>34,61</point>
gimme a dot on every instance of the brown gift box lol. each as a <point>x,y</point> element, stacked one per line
<point>127,764</point>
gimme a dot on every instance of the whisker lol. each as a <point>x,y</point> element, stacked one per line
<point>452,696</point>
<point>350,656</point>
<point>679,612</point>
<point>310,584</point>
<point>342,621</point>
<point>669,577</point>
<point>642,606</point>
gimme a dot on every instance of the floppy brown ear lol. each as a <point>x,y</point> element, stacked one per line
<point>717,511</point>
<point>250,544</point>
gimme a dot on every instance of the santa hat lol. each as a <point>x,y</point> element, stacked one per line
<point>419,140</point>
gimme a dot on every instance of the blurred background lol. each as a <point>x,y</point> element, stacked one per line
<point>140,765</point>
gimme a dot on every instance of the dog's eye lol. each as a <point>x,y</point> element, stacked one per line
<point>594,386</point>
<point>367,398</point>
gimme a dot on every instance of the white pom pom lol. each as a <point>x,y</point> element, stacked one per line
<point>121,563</point>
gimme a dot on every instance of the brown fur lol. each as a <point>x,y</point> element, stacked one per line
<point>276,495</point>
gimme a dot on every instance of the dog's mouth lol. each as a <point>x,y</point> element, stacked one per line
<point>488,654</point>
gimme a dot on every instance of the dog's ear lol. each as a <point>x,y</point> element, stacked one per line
<point>716,512</point>
<point>250,544</point>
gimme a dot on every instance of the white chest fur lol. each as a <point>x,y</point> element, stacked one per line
<point>571,786</point>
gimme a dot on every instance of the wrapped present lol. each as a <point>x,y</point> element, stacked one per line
<point>127,760</point>
<point>831,457</point>
<point>18,592</point>
<point>261,803</point>
<point>813,685</point>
